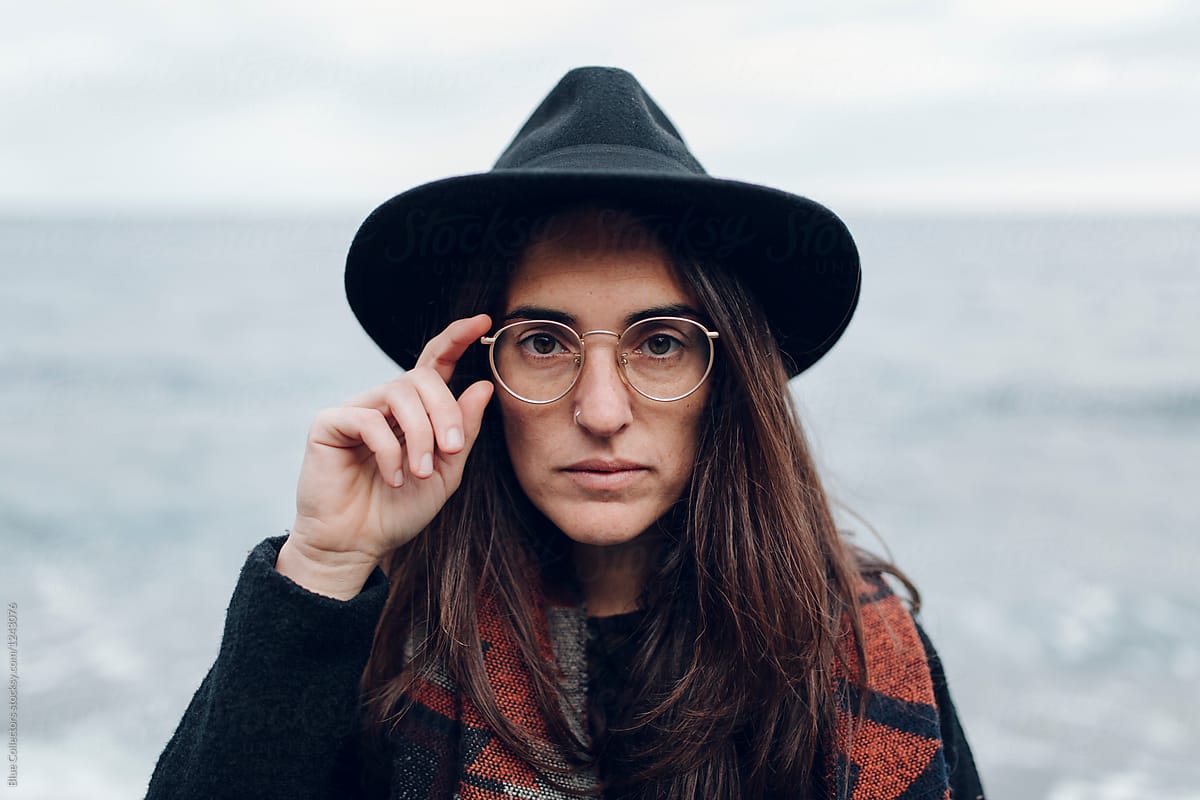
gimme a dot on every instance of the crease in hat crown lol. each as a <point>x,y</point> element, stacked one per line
<point>599,118</point>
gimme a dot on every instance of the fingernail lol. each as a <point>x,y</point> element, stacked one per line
<point>454,439</point>
<point>398,478</point>
<point>426,465</point>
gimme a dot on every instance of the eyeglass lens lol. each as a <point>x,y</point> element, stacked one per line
<point>662,358</point>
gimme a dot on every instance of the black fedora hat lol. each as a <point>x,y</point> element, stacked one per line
<point>598,138</point>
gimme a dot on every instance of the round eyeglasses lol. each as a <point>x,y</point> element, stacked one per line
<point>661,358</point>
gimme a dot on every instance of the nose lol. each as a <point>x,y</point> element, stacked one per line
<point>602,400</point>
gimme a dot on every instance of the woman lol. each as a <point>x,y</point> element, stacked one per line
<point>610,566</point>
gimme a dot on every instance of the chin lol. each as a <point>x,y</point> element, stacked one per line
<point>601,524</point>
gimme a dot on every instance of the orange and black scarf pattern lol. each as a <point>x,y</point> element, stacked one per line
<point>443,748</point>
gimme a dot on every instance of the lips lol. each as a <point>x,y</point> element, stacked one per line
<point>604,465</point>
<point>602,474</point>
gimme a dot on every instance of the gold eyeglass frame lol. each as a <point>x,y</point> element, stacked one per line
<point>622,358</point>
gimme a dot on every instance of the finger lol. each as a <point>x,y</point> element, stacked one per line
<point>444,413</point>
<point>405,406</point>
<point>378,435</point>
<point>442,352</point>
<point>350,427</point>
<point>473,402</point>
<point>376,396</point>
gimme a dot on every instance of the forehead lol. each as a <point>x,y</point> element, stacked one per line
<point>593,274</point>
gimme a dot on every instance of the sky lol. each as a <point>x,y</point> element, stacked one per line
<point>263,106</point>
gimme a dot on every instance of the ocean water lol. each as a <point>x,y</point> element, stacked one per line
<point>1015,411</point>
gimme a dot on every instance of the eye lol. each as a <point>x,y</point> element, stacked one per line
<point>541,343</point>
<point>660,345</point>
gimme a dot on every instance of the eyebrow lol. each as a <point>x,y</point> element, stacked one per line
<point>554,315</point>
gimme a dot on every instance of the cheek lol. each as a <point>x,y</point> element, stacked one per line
<point>525,439</point>
<point>678,441</point>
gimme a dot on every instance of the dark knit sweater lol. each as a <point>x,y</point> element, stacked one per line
<point>276,714</point>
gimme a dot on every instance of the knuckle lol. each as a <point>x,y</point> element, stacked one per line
<point>392,394</point>
<point>421,436</point>
<point>390,447</point>
<point>400,380</point>
<point>324,418</point>
<point>426,374</point>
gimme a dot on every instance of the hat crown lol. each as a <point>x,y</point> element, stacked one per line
<point>597,139</point>
<point>599,116</point>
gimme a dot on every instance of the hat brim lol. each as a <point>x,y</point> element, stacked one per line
<point>793,254</point>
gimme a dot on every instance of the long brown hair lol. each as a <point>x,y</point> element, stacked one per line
<point>731,690</point>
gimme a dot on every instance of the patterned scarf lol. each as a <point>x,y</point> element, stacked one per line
<point>444,749</point>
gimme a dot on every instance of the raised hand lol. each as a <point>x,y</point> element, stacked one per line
<point>378,468</point>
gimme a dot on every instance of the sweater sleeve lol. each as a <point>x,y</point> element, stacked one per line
<point>277,714</point>
<point>960,764</point>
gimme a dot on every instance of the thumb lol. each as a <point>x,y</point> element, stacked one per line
<point>473,402</point>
